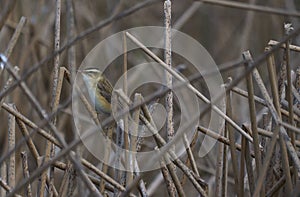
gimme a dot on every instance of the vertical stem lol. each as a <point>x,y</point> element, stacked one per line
<point>190,161</point>
<point>242,165</point>
<point>56,58</point>
<point>276,114</point>
<point>63,184</point>
<point>249,167</point>
<point>276,101</point>
<point>168,180</point>
<point>281,81</point>
<point>72,182</point>
<point>265,125</point>
<point>120,143</point>
<point>225,168</point>
<point>297,86</point>
<point>11,146</point>
<point>175,184</point>
<point>31,146</point>
<point>54,104</point>
<point>126,123</point>
<point>172,171</point>
<point>247,56</point>
<point>232,146</point>
<point>190,154</point>
<point>70,36</point>
<point>289,95</point>
<point>168,60</point>
<point>142,186</point>
<point>107,151</point>
<point>3,173</point>
<point>133,142</point>
<point>219,170</point>
<point>71,31</point>
<point>169,95</point>
<point>125,86</point>
<point>220,165</point>
<point>270,175</point>
<point>289,86</point>
<point>26,173</point>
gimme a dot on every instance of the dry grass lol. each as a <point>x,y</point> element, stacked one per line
<point>257,149</point>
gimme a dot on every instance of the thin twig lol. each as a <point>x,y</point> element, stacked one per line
<point>249,168</point>
<point>276,186</point>
<point>242,166</point>
<point>190,155</point>
<point>171,169</point>
<point>3,176</point>
<point>15,37</point>
<point>289,95</point>
<point>133,136</point>
<point>72,181</point>
<point>266,133</point>
<point>188,85</point>
<point>56,89</point>
<point>81,36</point>
<point>168,76</point>
<point>232,144</point>
<point>225,168</point>
<point>168,180</point>
<point>30,143</point>
<point>263,102</point>
<point>125,88</point>
<point>277,119</point>
<point>257,8</point>
<point>26,172</point>
<point>71,30</point>
<point>41,111</point>
<point>53,140</point>
<point>33,150</point>
<point>276,101</point>
<point>247,56</point>
<point>168,169</point>
<point>4,185</point>
<point>102,175</point>
<point>30,124</point>
<point>11,146</point>
<point>276,115</point>
<point>44,167</point>
<point>292,47</point>
<point>219,168</point>
<point>161,142</point>
<point>63,184</point>
<point>221,138</point>
<point>169,96</point>
<point>188,162</point>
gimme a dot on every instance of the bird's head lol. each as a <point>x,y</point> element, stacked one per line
<point>92,74</point>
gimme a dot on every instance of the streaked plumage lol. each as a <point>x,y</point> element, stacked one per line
<point>99,89</point>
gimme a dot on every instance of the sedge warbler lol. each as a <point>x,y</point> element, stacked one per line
<point>99,89</point>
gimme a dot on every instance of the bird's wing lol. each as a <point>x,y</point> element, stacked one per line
<point>105,89</point>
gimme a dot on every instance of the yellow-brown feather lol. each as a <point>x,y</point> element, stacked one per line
<point>102,91</point>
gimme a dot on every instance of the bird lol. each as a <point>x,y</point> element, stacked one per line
<point>99,90</point>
